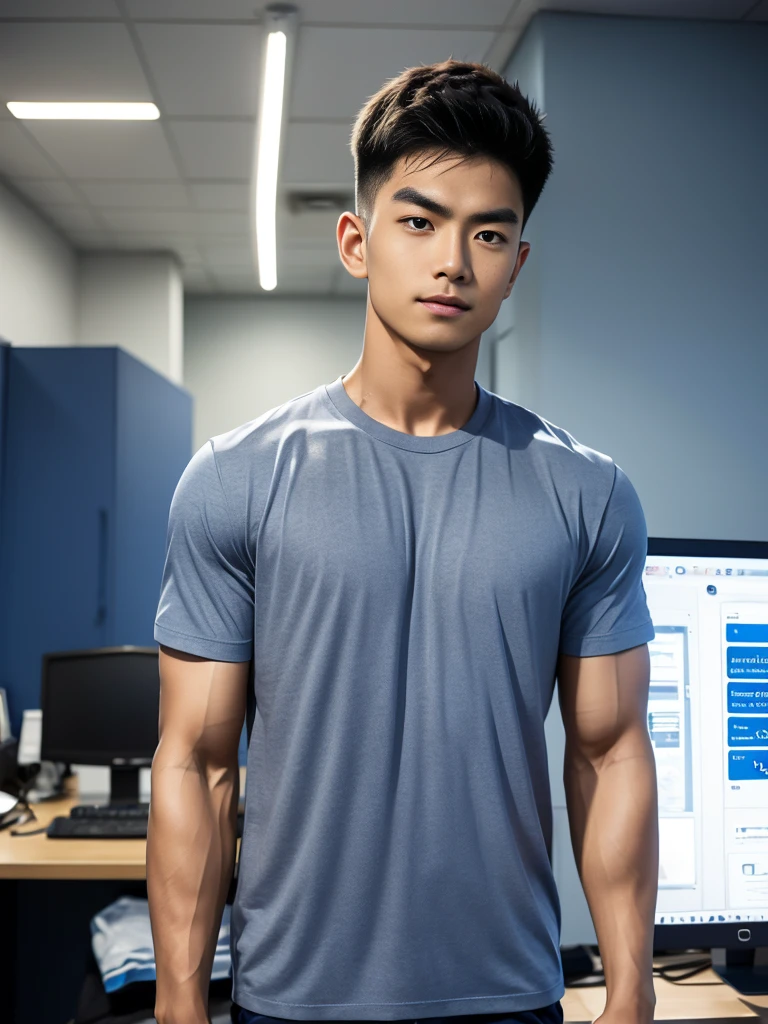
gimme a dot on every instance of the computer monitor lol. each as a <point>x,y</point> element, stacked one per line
<point>101,706</point>
<point>708,721</point>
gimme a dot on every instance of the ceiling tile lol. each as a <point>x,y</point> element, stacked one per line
<point>730,10</point>
<point>55,9</point>
<point>369,59</point>
<point>406,12</point>
<point>20,156</point>
<point>185,247</point>
<point>219,222</point>
<point>106,149</point>
<point>204,69</point>
<point>91,239</point>
<point>71,218</point>
<point>214,149</point>
<point>147,195</point>
<point>179,221</point>
<point>318,155</point>
<point>221,196</point>
<point>224,254</point>
<point>49,190</point>
<point>224,10</point>
<point>306,259</point>
<point>159,244</point>
<point>69,61</point>
<point>309,227</point>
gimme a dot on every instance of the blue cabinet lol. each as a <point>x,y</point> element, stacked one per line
<point>92,445</point>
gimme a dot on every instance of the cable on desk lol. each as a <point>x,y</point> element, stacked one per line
<point>696,967</point>
<point>35,832</point>
<point>668,972</point>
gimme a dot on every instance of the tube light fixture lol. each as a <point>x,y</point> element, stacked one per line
<point>279,22</point>
<point>84,111</point>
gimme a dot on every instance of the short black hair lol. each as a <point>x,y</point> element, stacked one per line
<point>457,107</point>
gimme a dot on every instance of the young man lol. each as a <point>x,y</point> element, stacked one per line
<point>387,573</point>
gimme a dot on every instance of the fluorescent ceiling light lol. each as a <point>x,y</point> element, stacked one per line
<point>270,123</point>
<point>85,111</point>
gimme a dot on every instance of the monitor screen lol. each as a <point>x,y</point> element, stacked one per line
<point>708,721</point>
<point>101,705</point>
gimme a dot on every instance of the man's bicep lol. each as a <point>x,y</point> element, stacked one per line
<point>202,708</point>
<point>603,698</point>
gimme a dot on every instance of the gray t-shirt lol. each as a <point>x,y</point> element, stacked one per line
<point>402,600</point>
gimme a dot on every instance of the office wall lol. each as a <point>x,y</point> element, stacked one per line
<point>639,321</point>
<point>134,300</point>
<point>243,356</point>
<point>518,325</point>
<point>643,331</point>
<point>38,277</point>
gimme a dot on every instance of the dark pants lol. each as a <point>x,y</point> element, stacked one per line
<point>552,1014</point>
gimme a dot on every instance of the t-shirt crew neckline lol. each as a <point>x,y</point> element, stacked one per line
<point>351,411</point>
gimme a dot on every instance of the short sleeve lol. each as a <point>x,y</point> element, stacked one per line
<point>606,610</point>
<point>206,593</point>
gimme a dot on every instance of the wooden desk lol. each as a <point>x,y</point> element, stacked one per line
<point>41,857</point>
<point>38,857</point>
<point>681,1001</point>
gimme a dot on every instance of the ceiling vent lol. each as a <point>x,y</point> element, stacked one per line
<point>320,202</point>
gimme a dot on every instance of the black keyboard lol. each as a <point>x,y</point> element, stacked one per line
<point>108,821</point>
<point>110,811</point>
<point>97,828</point>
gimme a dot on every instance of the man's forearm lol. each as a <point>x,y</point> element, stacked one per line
<point>191,843</point>
<point>612,808</point>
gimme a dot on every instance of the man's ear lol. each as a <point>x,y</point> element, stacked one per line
<point>350,238</point>
<point>522,256</point>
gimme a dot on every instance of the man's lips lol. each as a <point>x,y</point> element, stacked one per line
<point>442,308</point>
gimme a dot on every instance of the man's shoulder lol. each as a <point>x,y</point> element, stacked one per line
<point>549,443</point>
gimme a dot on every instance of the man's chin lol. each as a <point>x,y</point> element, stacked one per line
<point>433,343</point>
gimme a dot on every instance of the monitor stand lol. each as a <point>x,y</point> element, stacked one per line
<point>742,973</point>
<point>123,784</point>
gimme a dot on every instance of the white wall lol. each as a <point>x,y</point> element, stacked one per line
<point>52,295</point>
<point>643,331</point>
<point>244,356</point>
<point>134,301</point>
<point>38,277</point>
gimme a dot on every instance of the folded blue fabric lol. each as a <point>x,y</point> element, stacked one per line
<point>121,938</point>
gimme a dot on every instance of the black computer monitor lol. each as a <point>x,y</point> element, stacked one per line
<point>708,721</point>
<point>101,706</point>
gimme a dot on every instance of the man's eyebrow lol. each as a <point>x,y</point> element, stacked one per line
<point>504,214</point>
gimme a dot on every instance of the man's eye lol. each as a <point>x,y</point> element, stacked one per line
<point>422,219</point>
<point>489,232</point>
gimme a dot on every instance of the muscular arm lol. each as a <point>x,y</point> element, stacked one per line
<point>610,786</point>
<point>191,836</point>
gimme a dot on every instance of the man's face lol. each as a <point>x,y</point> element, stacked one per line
<point>452,228</point>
